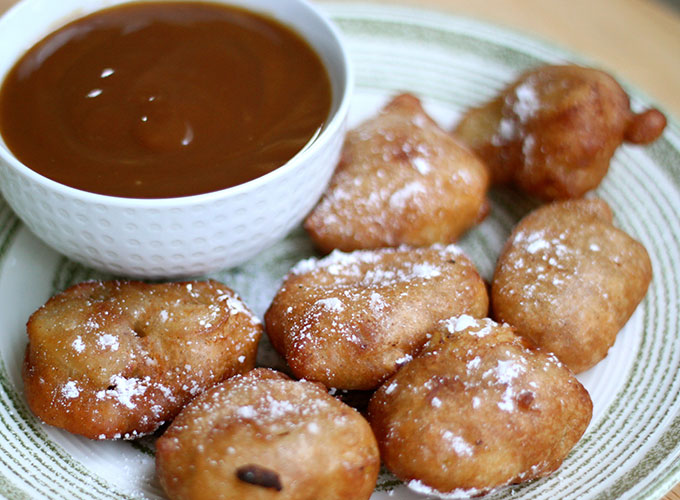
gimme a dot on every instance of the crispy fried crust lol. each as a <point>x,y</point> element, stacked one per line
<point>263,436</point>
<point>478,409</point>
<point>351,319</point>
<point>117,359</point>
<point>569,280</point>
<point>401,180</point>
<point>553,131</point>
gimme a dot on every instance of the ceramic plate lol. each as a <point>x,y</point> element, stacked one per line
<point>632,447</point>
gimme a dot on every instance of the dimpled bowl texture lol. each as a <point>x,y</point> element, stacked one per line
<point>174,237</point>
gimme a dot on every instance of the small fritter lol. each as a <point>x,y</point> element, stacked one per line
<point>118,359</point>
<point>569,280</point>
<point>264,436</point>
<point>350,320</point>
<point>401,180</point>
<point>553,131</point>
<point>479,408</point>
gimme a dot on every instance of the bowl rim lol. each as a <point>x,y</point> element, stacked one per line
<point>334,125</point>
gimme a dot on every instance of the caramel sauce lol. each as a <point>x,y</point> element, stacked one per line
<point>158,100</point>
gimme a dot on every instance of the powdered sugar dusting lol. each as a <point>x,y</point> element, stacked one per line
<point>473,364</point>
<point>521,107</point>
<point>460,323</point>
<point>552,260</point>
<point>367,268</point>
<point>390,388</point>
<point>420,487</point>
<point>528,146</point>
<point>460,446</point>
<point>124,390</point>
<point>478,327</point>
<point>507,131</point>
<point>377,303</point>
<point>426,270</point>
<point>236,306</point>
<point>332,304</point>
<point>422,165</point>
<point>537,245</point>
<point>108,341</point>
<point>78,344</point>
<point>527,103</point>
<point>400,198</point>
<point>246,412</point>
<point>70,390</point>
<point>274,406</point>
<point>335,262</point>
<point>504,373</point>
<point>404,359</point>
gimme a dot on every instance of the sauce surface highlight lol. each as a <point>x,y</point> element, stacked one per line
<point>159,100</point>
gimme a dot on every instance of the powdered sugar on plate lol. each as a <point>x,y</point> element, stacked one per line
<point>423,489</point>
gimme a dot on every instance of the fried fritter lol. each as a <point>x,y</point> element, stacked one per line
<point>401,180</point>
<point>479,408</point>
<point>264,436</point>
<point>117,359</point>
<point>553,132</point>
<point>569,280</point>
<point>350,320</point>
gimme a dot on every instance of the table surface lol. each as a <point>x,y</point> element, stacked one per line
<point>637,40</point>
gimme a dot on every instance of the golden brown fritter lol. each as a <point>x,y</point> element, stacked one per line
<point>264,436</point>
<point>569,280</point>
<point>553,131</point>
<point>401,180</point>
<point>117,359</point>
<point>350,320</point>
<point>479,408</point>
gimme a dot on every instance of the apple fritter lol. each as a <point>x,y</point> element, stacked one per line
<point>263,436</point>
<point>350,320</point>
<point>117,359</point>
<point>401,180</point>
<point>553,131</point>
<point>479,408</point>
<point>569,280</point>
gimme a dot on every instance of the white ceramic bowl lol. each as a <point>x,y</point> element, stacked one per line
<point>173,237</point>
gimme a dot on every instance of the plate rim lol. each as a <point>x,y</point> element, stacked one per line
<point>671,477</point>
